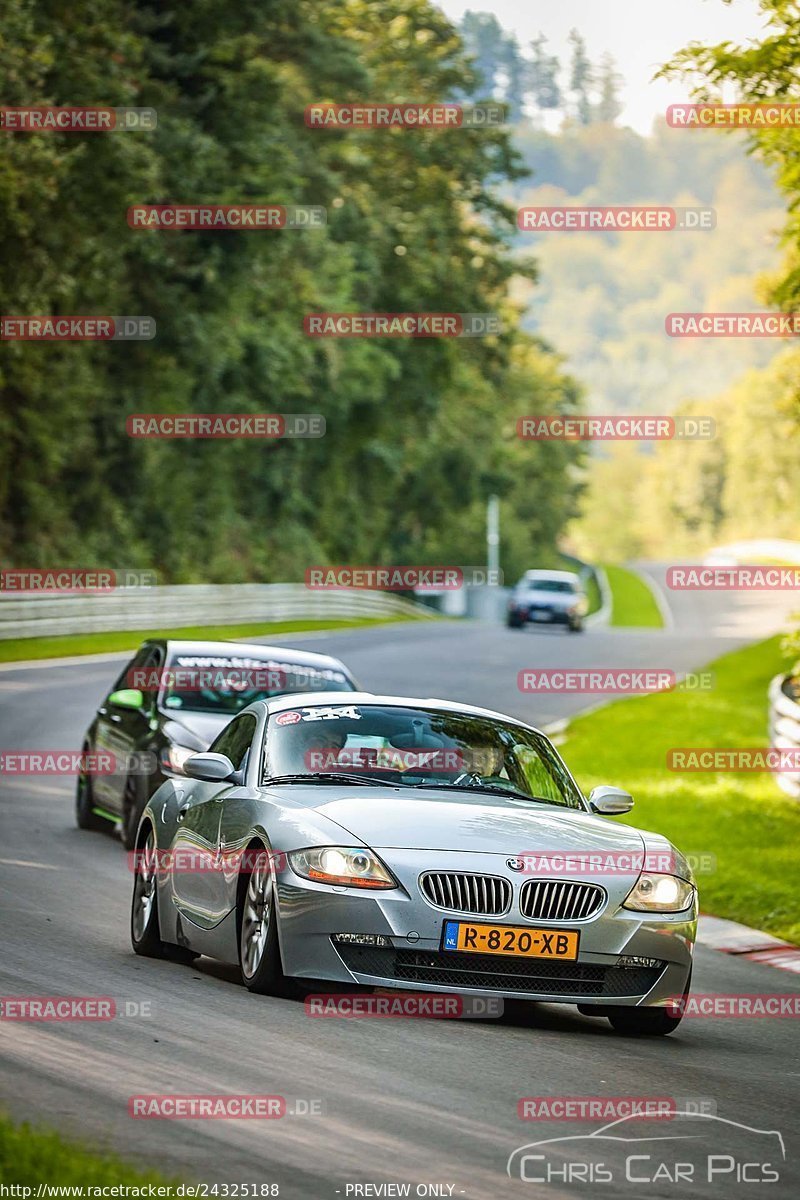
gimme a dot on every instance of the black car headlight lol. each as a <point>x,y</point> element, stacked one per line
<point>345,866</point>
<point>654,892</point>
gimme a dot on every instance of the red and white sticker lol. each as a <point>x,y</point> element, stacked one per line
<point>288,718</point>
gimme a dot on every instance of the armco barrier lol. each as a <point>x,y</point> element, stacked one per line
<point>174,606</point>
<point>784,731</point>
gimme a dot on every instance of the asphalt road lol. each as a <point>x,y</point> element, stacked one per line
<point>423,1102</point>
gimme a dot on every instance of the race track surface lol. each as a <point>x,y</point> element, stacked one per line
<point>419,1101</point>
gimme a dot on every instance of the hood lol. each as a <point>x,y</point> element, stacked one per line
<point>188,728</point>
<point>448,820</point>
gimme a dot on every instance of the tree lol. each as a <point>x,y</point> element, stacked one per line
<point>761,71</point>
<point>544,72</point>
<point>610,81</point>
<point>516,70</point>
<point>413,444</point>
<point>580,78</point>
<point>486,42</point>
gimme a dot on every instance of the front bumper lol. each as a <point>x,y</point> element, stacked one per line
<point>311,914</point>
<point>540,614</point>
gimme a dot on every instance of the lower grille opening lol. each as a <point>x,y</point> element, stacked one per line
<point>491,972</point>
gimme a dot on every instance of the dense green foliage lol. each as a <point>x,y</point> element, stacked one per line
<point>761,71</point>
<point>603,297</point>
<point>419,431</point>
<point>685,497</point>
<point>682,497</point>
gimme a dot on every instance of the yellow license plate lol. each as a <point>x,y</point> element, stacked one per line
<point>510,939</point>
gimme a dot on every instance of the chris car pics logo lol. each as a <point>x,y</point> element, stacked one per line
<point>701,1154</point>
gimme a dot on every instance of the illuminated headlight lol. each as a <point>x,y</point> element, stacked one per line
<point>345,866</point>
<point>173,758</point>
<point>660,893</point>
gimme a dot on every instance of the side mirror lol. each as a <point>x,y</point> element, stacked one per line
<point>127,698</point>
<point>213,768</point>
<point>608,801</point>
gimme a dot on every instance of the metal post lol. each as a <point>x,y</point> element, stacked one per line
<point>493,540</point>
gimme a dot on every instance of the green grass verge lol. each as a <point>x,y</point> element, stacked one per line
<point>32,1156</point>
<point>17,649</point>
<point>742,819</point>
<point>633,602</point>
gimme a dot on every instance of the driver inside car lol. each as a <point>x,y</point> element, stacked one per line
<point>487,764</point>
<point>317,747</point>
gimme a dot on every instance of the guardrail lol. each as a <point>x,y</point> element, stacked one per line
<point>602,615</point>
<point>784,732</point>
<point>182,605</point>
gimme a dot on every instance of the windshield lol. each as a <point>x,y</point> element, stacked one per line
<point>547,585</point>
<point>415,747</point>
<point>225,683</point>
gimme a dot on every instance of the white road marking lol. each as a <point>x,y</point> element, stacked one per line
<point>22,862</point>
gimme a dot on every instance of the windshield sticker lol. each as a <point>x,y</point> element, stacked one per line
<point>287,718</point>
<point>327,713</point>
<point>246,662</point>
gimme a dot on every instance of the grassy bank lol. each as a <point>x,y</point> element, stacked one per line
<point>633,603</point>
<point>743,819</point>
<point>18,649</point>
<point>30,1157</point>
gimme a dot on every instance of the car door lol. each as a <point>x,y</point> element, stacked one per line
<point>197,878</point>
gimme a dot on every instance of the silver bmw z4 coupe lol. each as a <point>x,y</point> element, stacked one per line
<point>414,844</point>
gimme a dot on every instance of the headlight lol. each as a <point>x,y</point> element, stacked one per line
<point>347,866</point>
<point>173,757</point>
<point>660,893</point>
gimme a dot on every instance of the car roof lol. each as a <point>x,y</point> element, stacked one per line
<point>306,699</point>
<point>564,576</point>
<point>286,654</point>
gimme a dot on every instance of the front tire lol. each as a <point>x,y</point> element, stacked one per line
<point>259,952</point>
<point>653,1022</point>
<point>85,815</point>
<point>639,1022</point>
<point>145,932</point>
